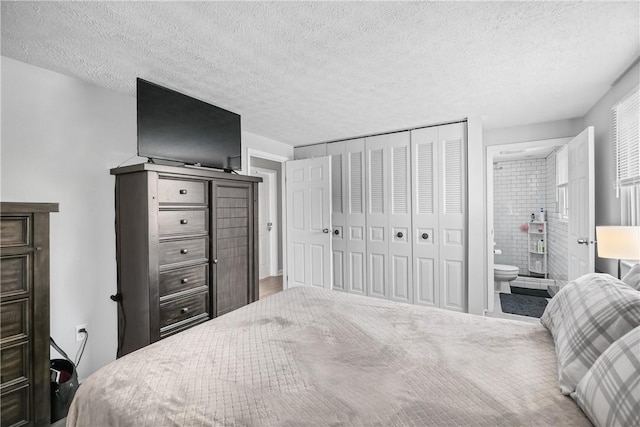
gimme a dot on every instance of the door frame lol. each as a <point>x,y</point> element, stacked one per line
<point>492,150</point>
<point>252,152</point>
<point>273,214</point>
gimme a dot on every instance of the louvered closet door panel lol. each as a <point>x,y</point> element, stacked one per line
<point>377,220</point>
<point>424,153</point>
<point>400,230</point>
<point>338,218</point>
<point>355,231</point>
<point>452,206</point>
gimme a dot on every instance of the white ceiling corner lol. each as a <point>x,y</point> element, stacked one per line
<point>305,72</point>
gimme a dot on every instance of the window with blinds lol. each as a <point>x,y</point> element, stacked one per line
<point>626,137</point>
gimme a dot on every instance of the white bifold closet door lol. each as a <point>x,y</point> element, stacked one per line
<point>348,215</point>
<point>388,217</point>
<point>439,222</point>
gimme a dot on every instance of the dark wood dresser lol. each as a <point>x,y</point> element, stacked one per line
<point>186,248</point>
<point>24,314</point>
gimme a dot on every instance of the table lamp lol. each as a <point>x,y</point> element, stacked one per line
<point>618,242</point>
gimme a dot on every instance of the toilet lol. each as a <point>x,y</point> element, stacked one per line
<point>503,274</point>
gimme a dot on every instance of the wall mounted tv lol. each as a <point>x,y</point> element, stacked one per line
<point>173,126</point>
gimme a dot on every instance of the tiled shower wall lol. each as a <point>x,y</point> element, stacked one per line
<point>558,229</point>
<point>519,189</point>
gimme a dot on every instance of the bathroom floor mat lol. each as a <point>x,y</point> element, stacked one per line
<point>523,305</point>
<point>531,292</point>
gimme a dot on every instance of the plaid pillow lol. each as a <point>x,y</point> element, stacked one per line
<point>585,318</point>
<point>609,393</point>
<point>632,278</point>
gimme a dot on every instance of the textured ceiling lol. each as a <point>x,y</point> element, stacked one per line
<point>304,72</point>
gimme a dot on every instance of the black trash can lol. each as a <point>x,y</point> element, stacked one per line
<point>64,383</point>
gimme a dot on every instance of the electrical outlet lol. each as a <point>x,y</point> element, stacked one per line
<point>80,335</point>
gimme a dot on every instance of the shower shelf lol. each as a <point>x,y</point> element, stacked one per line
<point>537,257</point>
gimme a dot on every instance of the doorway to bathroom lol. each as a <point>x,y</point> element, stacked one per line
<point>528,223</point>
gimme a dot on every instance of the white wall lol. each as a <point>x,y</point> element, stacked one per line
<point>265,145</point>
<point>600,116</point>
<point>60,137</point>
<point>534,132</point>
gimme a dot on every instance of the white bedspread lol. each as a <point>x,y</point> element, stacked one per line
<point>308,356</point>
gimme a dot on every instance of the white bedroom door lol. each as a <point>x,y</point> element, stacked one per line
<point>581,204</point>
<point>308,195</point>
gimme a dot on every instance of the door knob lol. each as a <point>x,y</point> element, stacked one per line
<point>325,230</point>
<point>399,234</point>
<point>425,236</point>
<point>336,232</point>
<point>215,261</point>
<point>583,241</point>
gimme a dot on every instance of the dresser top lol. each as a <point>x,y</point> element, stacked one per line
<point>184,170</point>
<point>24,207</point>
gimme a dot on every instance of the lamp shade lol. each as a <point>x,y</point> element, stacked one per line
<point>618,242</point>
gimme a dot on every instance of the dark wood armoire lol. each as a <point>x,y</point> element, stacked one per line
<point>186,248</point>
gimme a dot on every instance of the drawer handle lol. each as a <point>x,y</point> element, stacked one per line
<point>399,234</point>
<point>425,236</point>
<point>185,280</point>
<point>184,251</point>
<point>184,310</point>
<point>183,221</point>
<point>183,191</point>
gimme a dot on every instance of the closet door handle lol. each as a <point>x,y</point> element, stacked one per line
<point>183,221</point>
<point>184,251</point>
<point>425,236</point>
<point>399,235</point>
<point>183,191</point>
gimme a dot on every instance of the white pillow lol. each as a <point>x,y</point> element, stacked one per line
<point>632,278</point>
<point>609,393</point>
<point>585,318</point>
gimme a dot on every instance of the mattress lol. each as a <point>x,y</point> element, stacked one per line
<point>308,356</point>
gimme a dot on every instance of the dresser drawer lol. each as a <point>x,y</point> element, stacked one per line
<point>13,320</point>
<point>180,191</point>
<point>183,279</point>
<point>14,275</point>
<point>15,407</point>
<point>14,231</point>
<point>183,222</point>
<point>178,251</point>
<point>15,363</point>
<point>180,309</point>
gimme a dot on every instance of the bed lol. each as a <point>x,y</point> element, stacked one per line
<point>308,356</point>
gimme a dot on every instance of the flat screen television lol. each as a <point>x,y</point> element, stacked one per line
<point>176,127</point>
